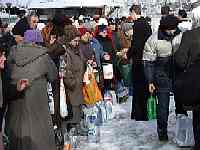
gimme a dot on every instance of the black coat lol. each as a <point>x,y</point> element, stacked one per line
<point>141,32</point>
<point>187,58</point>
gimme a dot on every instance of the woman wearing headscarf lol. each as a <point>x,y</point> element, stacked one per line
<point>28,121</point>
<point>7,90</point>
<point>73,74</point>
<point>109,55</point>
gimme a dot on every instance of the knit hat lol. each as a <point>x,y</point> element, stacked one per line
<point>169,22</point>
<point>70,33</point>
<point>33,36</point>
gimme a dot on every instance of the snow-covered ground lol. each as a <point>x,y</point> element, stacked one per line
<point>122,133</point>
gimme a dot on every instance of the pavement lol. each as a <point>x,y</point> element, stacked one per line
<point>122,133</point>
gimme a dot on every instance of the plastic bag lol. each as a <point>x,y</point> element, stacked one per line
<point>184,136</point>
<point>108,71</point>
<point>91,117</point>
<point>126,73</point>
<point>109,110</point>
<point>70,139</point>
<point>91,91</point>
<point>151,107</point>
<point>122,92</point>
<point>63,104</point>
<point>114,97</point>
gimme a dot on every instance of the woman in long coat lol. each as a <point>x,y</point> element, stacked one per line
<point>28,121</point>
<point>74,71</point>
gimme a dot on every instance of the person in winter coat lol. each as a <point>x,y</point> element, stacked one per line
<point>7,90</point>
<point>141,32</point>
<point>109,56</point>
<point>28,121</point>
<point>126,35</point>
<point>158,67</point>
<point>73,76</point>
<point>95,49</point>
<point>187,83</point>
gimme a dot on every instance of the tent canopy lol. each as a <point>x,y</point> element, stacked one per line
<point>73,3</point>
<point>66,3</point>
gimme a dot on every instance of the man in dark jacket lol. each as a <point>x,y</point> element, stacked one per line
<point>141,32</point>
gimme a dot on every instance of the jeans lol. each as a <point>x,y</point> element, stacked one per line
<point>163,84</point>
<point>162,112</point>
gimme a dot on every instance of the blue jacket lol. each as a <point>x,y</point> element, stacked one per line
<point>98,49</point>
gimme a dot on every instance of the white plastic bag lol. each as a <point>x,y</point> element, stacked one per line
<point>114,97</point>
<point>63,104</point>
<point>184,131</point>
<point>103,111</point>
<point>109,110</point>
<point>108,71</point>
<point>91,114</point>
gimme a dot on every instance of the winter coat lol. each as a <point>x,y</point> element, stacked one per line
<point>98,50</point>
<point>86,51</point>
<point>106,43</point>
<point>187,57</point>
<point>74,71</point>
<point>73,80</point>
<point>28,121</point>
<point>157,57</point>
<point>55,50</point>
<point>141,32</point>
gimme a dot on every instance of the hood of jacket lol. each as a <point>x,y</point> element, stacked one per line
<point>26,53</point>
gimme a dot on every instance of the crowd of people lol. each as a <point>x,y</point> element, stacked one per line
<point>163,62</point>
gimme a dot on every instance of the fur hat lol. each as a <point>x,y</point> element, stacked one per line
<point>70,33</point>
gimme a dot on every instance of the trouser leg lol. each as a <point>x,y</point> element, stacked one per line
<point>196,128</point>
<point>162,113</point>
